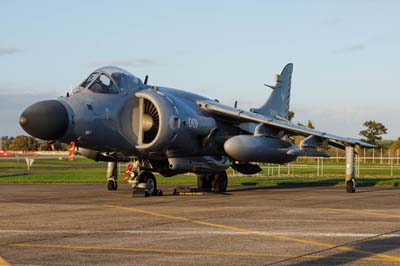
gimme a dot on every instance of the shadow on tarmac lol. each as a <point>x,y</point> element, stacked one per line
<point>347,257</point>
<point>367,182</point>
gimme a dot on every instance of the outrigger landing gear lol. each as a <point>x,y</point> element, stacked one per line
<point>351,186</point>
<point>350,178</point>
<point>112,175</point>
<point>213,182</point>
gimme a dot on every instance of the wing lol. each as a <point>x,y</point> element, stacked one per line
<point>237,115</point>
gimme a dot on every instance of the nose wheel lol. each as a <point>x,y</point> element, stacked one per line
<point>150,181</point>
<point>145,184</point>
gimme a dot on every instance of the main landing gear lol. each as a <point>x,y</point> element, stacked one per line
<point>217,182</point>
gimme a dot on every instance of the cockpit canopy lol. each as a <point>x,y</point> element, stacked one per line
<point>111,80</point>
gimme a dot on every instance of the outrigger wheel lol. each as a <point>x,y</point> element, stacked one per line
<point>151,183</point>
<point>351,186</point>
<point>112,184</point>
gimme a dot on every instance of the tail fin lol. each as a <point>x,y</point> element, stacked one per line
<point>278,102</point>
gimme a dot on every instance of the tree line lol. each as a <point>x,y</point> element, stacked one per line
<point>28,143</point>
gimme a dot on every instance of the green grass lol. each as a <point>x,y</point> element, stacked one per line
<point>301,174</point>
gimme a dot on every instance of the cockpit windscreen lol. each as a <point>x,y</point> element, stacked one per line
<point>111,80</point>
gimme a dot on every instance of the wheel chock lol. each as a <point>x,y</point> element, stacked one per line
<point>186,191</point>
<point>141,190</point>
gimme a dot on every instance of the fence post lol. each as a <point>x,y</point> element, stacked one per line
<point>337,155</point>
<point>373,155</point>
<point>391,166</point>
<point>364,154</point>
<point>322,166</point>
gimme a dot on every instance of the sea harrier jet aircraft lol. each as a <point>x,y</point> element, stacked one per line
<point>113,116</point>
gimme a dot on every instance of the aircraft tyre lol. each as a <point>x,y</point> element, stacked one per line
<point>112,184</point>
<point>220,182</point>
<point>351,186</point>
<point>204,182</point>
<point>151,183</point>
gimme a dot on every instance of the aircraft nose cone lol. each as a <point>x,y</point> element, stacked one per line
<point>46,120</point>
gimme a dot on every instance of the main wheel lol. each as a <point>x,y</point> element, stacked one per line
<point>204,182</point>
<point>112,184</point>
<point>351,186</point>
<point>151,183</point>
<point>220,182</point>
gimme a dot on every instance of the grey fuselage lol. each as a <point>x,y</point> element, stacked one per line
<point>167,127</point>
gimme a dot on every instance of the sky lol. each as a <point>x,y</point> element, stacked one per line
<point>345,53</point>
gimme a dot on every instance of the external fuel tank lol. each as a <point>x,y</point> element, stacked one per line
<point>248,148</point>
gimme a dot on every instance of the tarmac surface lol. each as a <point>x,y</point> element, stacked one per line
<point>84,224</point>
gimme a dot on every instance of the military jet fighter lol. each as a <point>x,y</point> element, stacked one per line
<point>113,116</point>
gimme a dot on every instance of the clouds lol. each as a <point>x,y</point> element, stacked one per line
<point>8,51</point>
<point>351,49</point>
<point>137,63</point>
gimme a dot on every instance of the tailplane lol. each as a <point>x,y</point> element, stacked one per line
<point>277,104</point>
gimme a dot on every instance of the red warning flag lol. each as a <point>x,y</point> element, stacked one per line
<point>71,150</point>
<point>127,171</point>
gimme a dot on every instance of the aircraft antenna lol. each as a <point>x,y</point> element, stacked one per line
<point>146,79</point>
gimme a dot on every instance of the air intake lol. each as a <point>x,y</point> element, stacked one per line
<point>150,121</point>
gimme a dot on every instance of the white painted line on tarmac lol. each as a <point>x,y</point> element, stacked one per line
<point>199,232</point>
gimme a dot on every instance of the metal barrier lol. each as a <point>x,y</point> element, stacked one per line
<point>333,166</point>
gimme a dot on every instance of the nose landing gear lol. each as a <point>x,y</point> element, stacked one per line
<point>142,182</point>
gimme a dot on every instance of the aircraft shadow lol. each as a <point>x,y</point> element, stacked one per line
<point>347,257</point>
<point>367,182</point>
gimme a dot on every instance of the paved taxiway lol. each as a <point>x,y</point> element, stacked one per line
<point>82,224</point>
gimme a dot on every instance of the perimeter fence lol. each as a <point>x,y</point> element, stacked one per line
<point>377,167</point>
<point>333,166</point>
